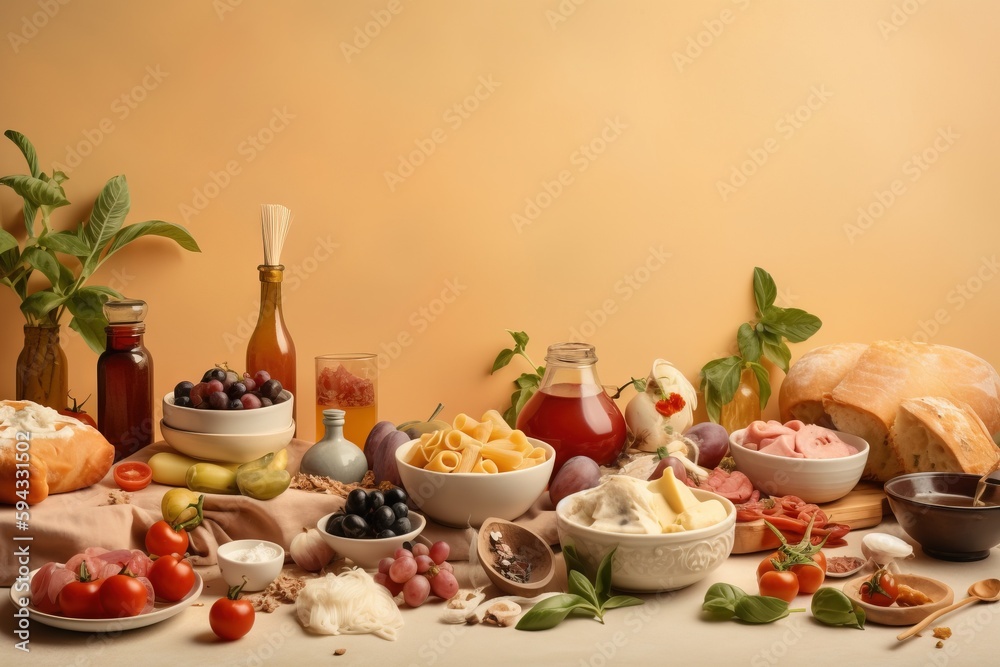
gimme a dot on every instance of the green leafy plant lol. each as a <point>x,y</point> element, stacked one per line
<point>766,337</point>
<point>724,601</point>
<point>833,607</point>
<point>585,597</point>
<point>526,384</point>
<point>92,243</point>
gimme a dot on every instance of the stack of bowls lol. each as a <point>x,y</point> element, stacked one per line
<point>229,436</point>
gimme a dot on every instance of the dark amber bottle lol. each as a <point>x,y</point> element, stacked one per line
<point>125,380</point>
<point>271,348</point>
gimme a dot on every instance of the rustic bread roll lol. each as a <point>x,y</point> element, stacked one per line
<point>866,401</point>
<point>933,434</point>
<point>813,376</point>
<point>43,452</point>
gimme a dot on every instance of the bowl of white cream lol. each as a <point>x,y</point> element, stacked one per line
<point>259,561</point>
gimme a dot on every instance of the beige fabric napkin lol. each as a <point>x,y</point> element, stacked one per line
<point>65,524</point>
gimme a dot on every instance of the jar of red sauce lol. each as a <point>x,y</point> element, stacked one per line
<point>571,410</point>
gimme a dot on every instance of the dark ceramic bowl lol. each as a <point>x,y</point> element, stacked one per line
<point>935,509</point>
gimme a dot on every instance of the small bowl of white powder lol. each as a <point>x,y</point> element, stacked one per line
<point>259,561</point>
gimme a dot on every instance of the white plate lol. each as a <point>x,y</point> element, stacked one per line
<point>161,612</point>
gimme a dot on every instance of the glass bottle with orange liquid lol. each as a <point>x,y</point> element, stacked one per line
<point>271,348</point>
<point>348,382</point>
<point>571,410</point>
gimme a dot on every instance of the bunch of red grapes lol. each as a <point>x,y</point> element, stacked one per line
<point>417,572</point>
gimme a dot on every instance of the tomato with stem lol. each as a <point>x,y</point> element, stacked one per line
<point>163,539</point>
<point>80,598</point>
<point>804,561</point>
<point>172,577</point>
<point>881,590</point>
<point>232,617</point>
<point>77,412</point>
<point>781,585</point>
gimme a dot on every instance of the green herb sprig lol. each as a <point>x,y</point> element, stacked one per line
<point>584,598</point>
<point>765,336</point>
<point>833,607</point>
<point>725,601</point>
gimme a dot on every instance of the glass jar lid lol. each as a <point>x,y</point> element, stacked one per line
<point>571,353</point>
<point>125,311</point>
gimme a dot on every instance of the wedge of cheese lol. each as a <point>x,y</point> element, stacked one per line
<point>676,493</point>
<point>704,515</point>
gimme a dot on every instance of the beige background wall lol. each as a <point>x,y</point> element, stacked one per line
<point>623,122</point>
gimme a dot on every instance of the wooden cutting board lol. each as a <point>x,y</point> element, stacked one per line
<point>861,508</point>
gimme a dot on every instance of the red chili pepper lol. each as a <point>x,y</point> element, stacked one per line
<point>671,405</point>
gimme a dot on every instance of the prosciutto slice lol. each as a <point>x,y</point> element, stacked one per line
<point>100,563</point>
<point>795,440</point>
<point>791,515</point>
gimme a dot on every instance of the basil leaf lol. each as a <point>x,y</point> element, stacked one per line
<point>551,611</point>
<point>602,582</point>
<point>748,342</point>
<point>619,601</point>
<point>795,324</point>
<point>580,585</point>
<point>573,561</point>
<point>721,599</point>
<point>502,360</point>
<point>832,607</point>
<point>724,376</point>
<point>760,609</point>
<point>764,289</point>
<point>520,340</point>
<point>763,382</point>
<point>778,354</point>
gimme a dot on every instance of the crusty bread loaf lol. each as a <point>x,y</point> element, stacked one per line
<point>867,398</point>
<point>43,452</point>
<point>933,434</point>
<point>813,376</point>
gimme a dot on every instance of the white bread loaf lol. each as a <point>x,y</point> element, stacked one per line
<point>43,452</point>
<point>866,400</point>
<point>811,378</point>
<point>933,434</point>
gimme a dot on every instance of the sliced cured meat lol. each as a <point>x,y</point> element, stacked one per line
<point>734,486</point>
<point>791,516</point>
<point>795,440</point>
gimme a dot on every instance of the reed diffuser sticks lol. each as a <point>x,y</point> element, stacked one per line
<point>275,220</point>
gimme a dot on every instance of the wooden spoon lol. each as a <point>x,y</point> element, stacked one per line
<point>987,590</point>
<point>526,546</point>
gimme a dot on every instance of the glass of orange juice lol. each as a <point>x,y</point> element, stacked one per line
<point>348,382</point>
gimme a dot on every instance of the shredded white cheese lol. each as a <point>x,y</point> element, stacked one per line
<point>350,603</point>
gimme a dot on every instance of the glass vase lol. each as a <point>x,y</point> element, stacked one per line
<point>745,406</point>
<point>42,373</point>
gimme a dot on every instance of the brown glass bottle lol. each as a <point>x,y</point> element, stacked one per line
<point>271,348</point>
<point>125,380</point>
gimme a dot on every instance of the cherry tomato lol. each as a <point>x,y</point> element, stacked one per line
<point>122,595</point>
<point>163,540</point>
<point>782,585</point>
<point>881,590</point>
<point>81,599</point>
<point>172,577</point>
<point>76,412</point>
<point>231,617</point>
<point>809,577</point>
<point>133,475</point>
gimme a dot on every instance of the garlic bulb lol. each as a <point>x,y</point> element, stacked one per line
<point>883,549</point>
<point>310,551</point>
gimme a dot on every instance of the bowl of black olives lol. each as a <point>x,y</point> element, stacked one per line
<point>372,525</point>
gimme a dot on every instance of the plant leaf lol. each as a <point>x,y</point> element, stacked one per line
<point>87,307</point>
<point>64,242</point>
<point>619,601</point>
<point>520,339</point>
<point>573,561</point>
<point>833,607</point>
<point>602,580</point>
<point>7,241</point>
<point>41,303</point>
<point>502,360</point>
<point>748,341</point>
<point>39,192</point>
<point>721,599</point>
<point>528,381</point>
<point>551,611</point>
<point>105,220</point>
<point>760,609</point>
<point>764,289</point>
<point>578,584</point>
<point>27,150</point>
<point>763,383</point>
<point>45,262</point>
<point>153,228</point>
<point>779,354</point>
<point>724,376</point>
<point>794,324</point>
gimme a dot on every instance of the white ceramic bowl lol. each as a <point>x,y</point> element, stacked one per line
<point>258,574</point>
<point>237,422</point>
<point>653,563</point>
<point>469,498</point>
<point>366,553</point>
<point>226,447</point>
<point>812,480</point>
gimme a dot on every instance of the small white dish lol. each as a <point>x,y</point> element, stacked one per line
<point>245,422</point>
<point>227,447</point>
<point>259,573</point>
<point>161,612</point>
